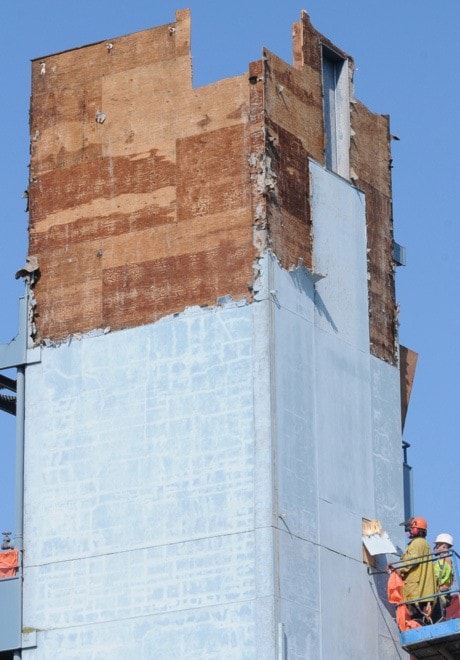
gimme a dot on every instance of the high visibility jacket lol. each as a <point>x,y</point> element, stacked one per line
<point>417,571</point>
<point>444,573</point>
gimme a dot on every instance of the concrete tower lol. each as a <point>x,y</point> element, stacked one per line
<point>212,403</point>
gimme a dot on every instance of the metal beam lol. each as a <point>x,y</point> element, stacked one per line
<point>444,653</point>
<point>8,403</point>
<point>7,383</point>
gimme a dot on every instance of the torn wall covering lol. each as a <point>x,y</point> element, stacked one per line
<point>148,196</point>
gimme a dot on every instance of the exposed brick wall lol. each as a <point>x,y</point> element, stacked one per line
<point>169,202</point>
<point>294,133</point>
<point>370,161</point>
<point>288,212</point>
<point>257,157</point>
<point>129,217</point>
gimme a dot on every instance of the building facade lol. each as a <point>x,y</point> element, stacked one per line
<point>216,405</point>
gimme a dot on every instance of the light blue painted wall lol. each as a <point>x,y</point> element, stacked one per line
<point>194,483</point>
<point>337,440</point>
<point>144,534</point>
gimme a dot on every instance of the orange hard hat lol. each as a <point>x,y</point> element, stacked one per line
<point>420,523</point>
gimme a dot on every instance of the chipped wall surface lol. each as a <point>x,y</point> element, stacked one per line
<point>370,162</point>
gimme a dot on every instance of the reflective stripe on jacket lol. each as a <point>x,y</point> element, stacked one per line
<point>444,573</point>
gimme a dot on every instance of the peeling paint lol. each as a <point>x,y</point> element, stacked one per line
<point>266,178</point>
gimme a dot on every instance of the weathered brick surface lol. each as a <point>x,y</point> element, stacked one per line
<point>129,217</point>
<point>288,208</point>
<point>370,161</point>
<point>212,174</point>
<point>294,133</point>
<point>294,102</point>
<point>169,202</point>
<point>161,285</point>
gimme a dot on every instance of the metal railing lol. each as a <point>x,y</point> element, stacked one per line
<point>433,558</point>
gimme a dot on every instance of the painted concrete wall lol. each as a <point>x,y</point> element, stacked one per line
<point>194,483</point>
<point>338,440</point>
<point>144,533</point>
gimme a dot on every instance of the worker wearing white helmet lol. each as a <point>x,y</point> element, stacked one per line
<point>442,539</point>
<point>443,569</point>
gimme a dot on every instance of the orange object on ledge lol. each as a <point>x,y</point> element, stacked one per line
<point>9,563</point>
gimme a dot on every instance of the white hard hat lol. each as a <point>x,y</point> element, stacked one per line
<point>444,538</point>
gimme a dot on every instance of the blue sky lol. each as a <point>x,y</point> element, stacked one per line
<point>406,66</point>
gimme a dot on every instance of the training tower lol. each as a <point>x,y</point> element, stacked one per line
<point>209,380</point>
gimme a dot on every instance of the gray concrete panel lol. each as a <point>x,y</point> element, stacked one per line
<point>387,448</point>
<point>294,368</point>
<point>340,530</point>
<point>302,632</point>
<point>343,425</point>
<point>299,572</point>
<point>348,630</point>
<point>10,618</point>
<point>140,505</point>
<point>336,437</point>
<point>340,252</point>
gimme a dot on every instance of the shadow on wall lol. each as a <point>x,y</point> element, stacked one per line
<point>305,282</point>
<point>378,583</point>
<point>302,281</point>
<point>322,309</point>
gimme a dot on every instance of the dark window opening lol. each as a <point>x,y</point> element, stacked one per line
<point>336,112</point>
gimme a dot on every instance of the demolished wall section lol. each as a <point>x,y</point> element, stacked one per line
<point>257,159</point>
<point>147,196</point>
<point>140,202</point>
<point>294,133</point>
<point>370,161</point>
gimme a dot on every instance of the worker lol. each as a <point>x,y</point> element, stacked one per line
<point>417,571</point>
<point>443,569</point>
